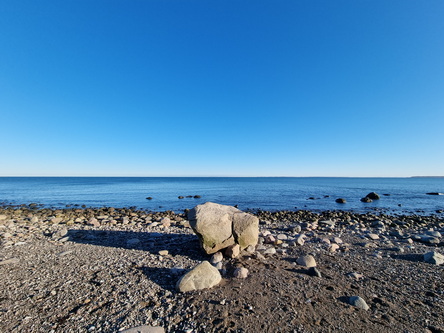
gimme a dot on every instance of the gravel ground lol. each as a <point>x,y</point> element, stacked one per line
<point>99,270</point>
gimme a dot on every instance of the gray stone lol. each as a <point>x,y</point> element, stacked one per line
<point>354,275</point>
<point>166,222</point>
<point>232,251</point>
<point>282,237</point>
<point>373,236</point>
<point>307,261</point>
<point>245,229</point>
<point>358,302</point>
<point>56,220</point>
<point>436,234</point>
<point>433,257</point>
<point>216,258</point>
<point>313,271</point>
<point>144,329</point>
<point>300,240</point>
<point>203,276</point>
<point>93,221</point>
<point>270,250</point>
<point>240,273</point>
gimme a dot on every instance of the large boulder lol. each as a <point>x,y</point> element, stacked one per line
<point>219,226</point>
<point>203,276</point>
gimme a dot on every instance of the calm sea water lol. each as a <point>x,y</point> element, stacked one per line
<point>247,193</point>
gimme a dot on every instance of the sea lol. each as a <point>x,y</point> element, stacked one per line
<point>398,195</point>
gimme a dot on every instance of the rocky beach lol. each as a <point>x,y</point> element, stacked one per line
<point>117,270</point>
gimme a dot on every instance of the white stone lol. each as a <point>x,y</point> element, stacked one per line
<point>203,276</point>
<point>358,302</point>
<point>307,261</point>
<point>241,273</point>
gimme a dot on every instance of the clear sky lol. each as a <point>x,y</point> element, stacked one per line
<point>221,88</point>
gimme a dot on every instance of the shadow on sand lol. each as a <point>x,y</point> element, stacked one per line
<point>150,242</point>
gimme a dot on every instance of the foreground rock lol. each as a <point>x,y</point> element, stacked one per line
<point>202,276</point>
<point>358,302</point>
<point>145,329</point>
<point>219,226</point>
<point>434,258</point>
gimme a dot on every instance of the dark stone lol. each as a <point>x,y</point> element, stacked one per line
<point>373,196</point>
<point>180,197</point>
<point>197,197</point>
<point>149,198</point>
<point>341,200</point>
<point>434,193</point>
<point>366,199</point>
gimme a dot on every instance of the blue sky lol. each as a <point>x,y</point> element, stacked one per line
<point>221,88</point>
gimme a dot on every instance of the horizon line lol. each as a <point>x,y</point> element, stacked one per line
<point>61,176</point>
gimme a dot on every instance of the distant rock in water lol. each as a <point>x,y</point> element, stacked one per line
<point>149,198</point>
<point>366,199</point>
<point>373,196</point>
<point>180,197</point>
<point>434,193</point>
<point>341,200</point>
<point>197,197</point>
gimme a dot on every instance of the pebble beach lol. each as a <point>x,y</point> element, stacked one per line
<point>116,269</point>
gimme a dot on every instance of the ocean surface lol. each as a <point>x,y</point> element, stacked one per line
<point>403,195</point>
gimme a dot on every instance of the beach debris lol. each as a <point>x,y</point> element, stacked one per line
<point>203,276</point>
<point>358,302</point>
<point>219,226</point>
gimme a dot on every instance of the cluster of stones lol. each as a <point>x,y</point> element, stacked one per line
<point>220,229</point>
<point>368,198</point>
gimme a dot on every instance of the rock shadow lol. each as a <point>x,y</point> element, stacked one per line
<point>166,278</point>
<point>152,242</point>
<point>414,257</point>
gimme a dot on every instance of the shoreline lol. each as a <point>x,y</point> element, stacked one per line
<point>35,207</point>
<point>110,269</point>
